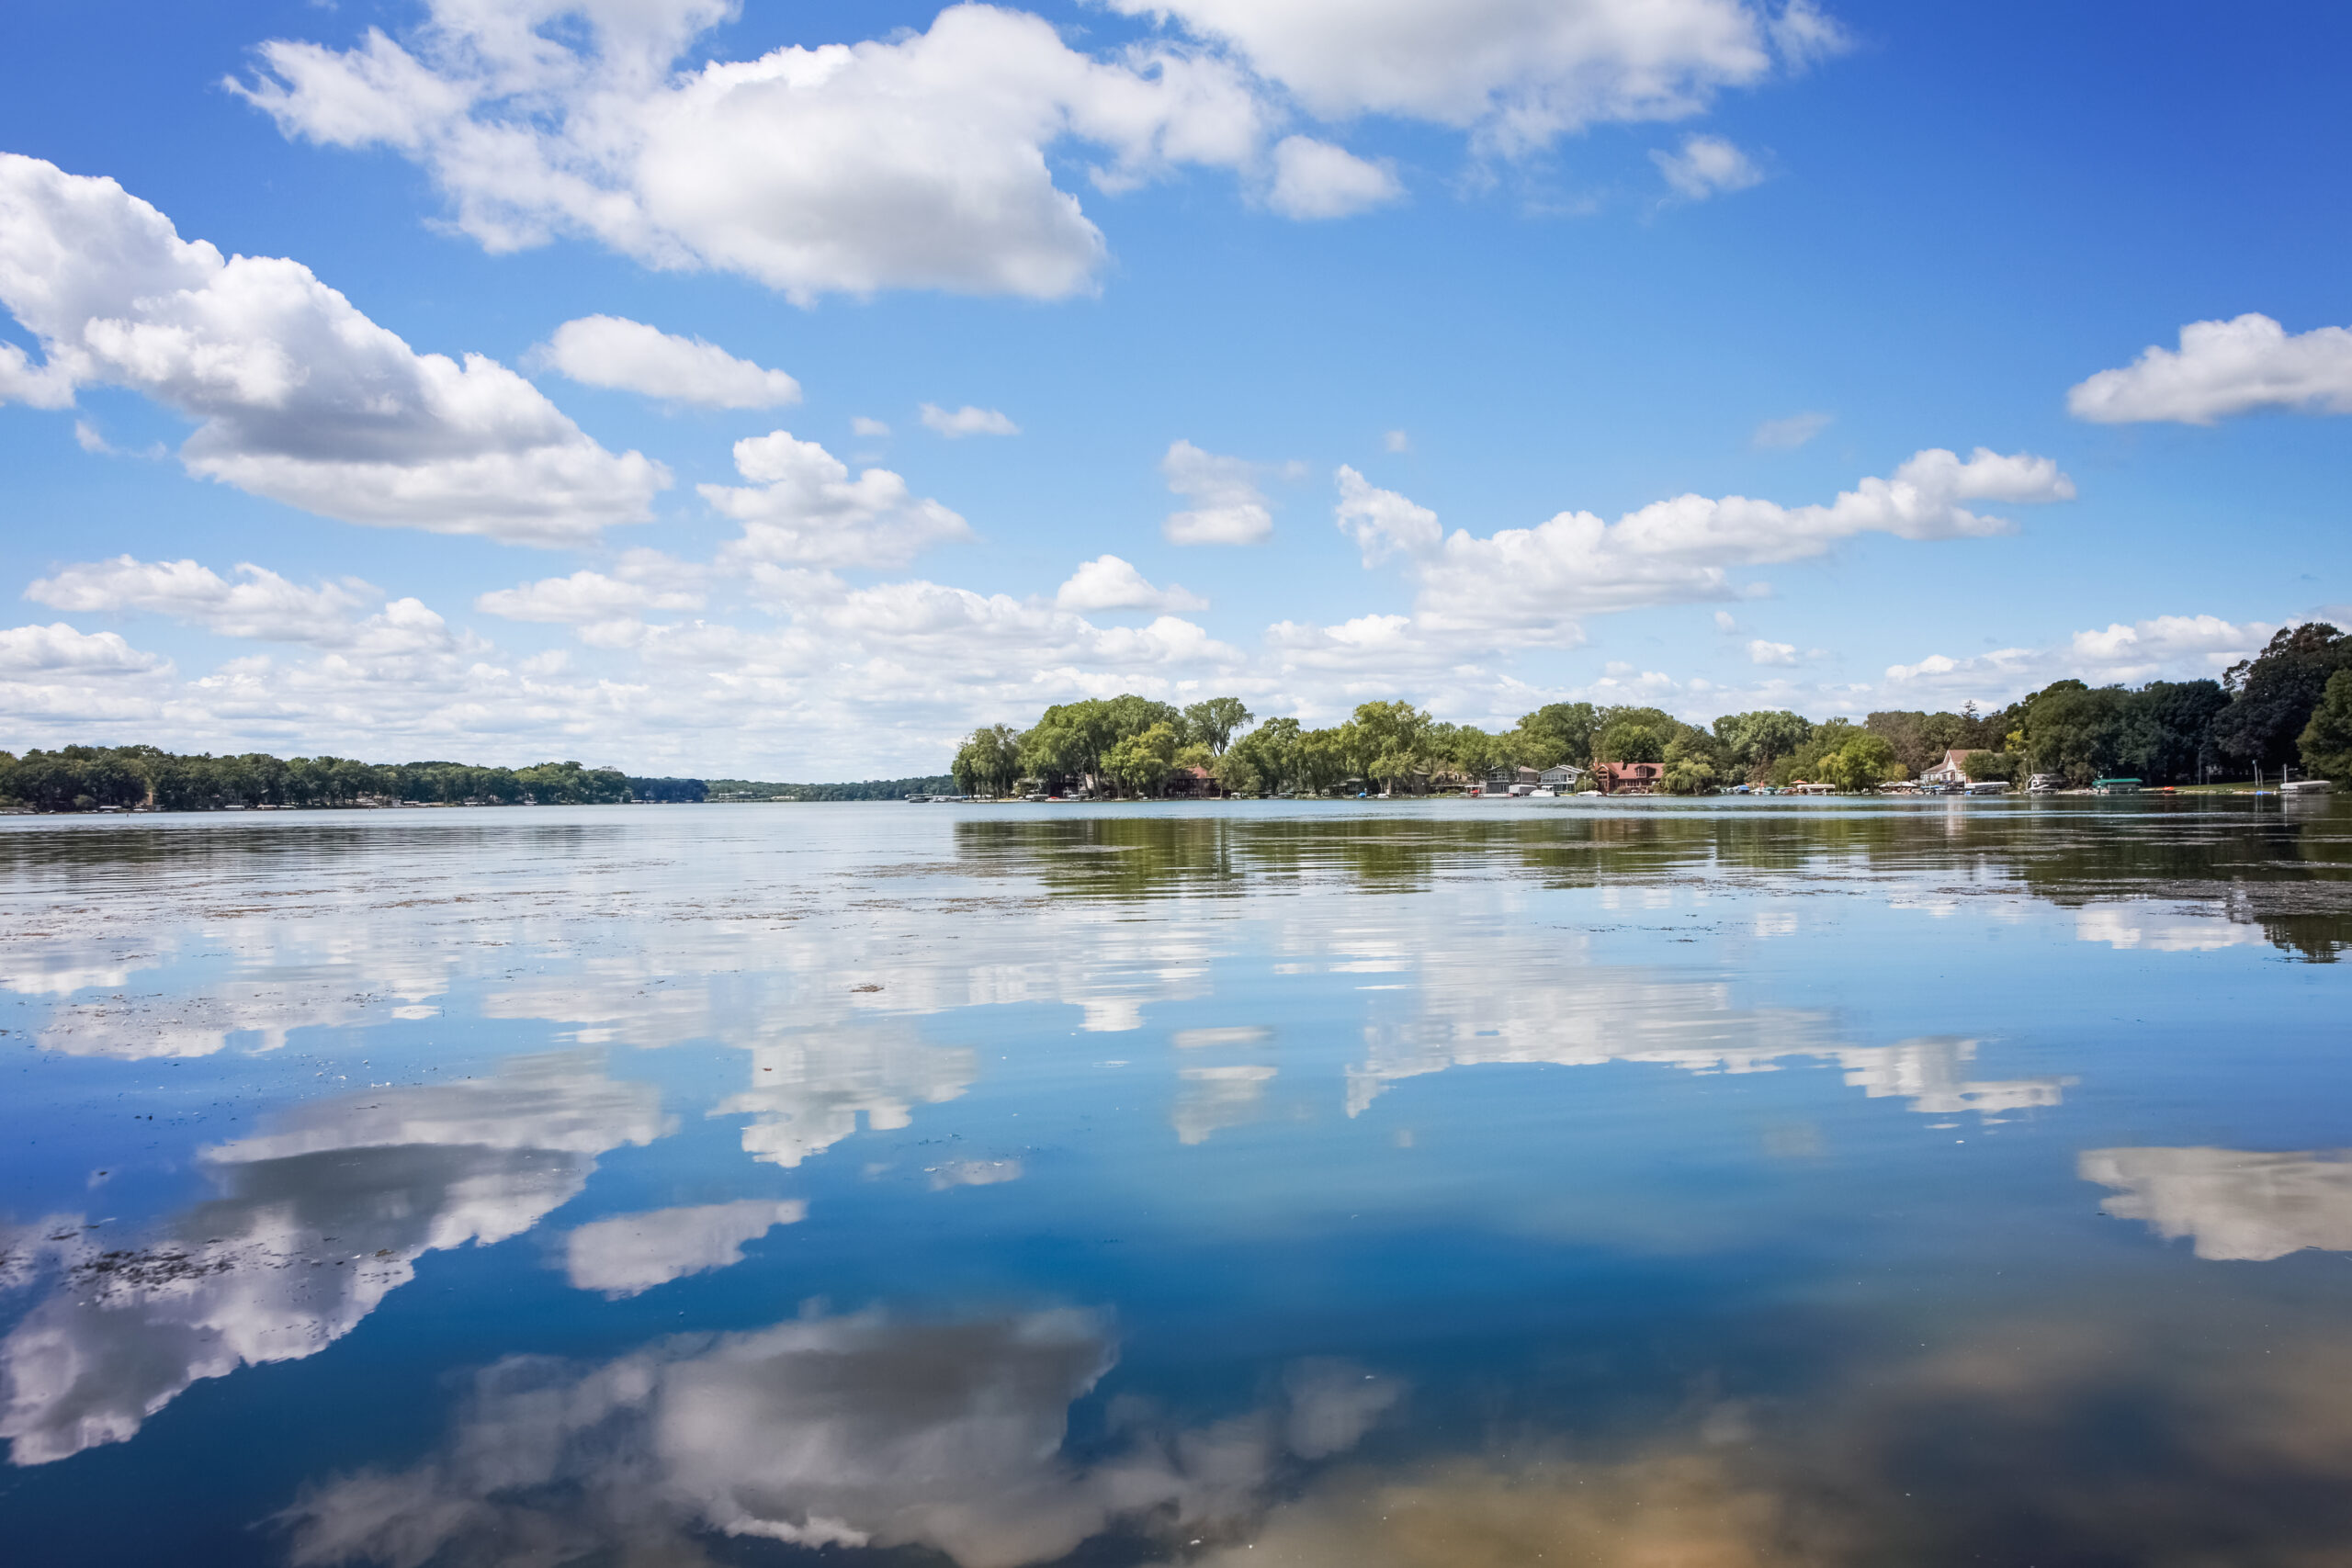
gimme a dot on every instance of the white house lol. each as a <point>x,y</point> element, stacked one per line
<point>1948,770</point>
<point>1562,777</point>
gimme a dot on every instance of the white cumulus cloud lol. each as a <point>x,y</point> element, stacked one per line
<point>57,650</point>
<point>803,507</point>
<point>1520,73</point>
<point>2224,368</point>
<point>2173,648</point>
<point>1316,179</point>
<point>298,396</point>
<point>1228,506</point>
<point>258,603</point>
<point>1762,652</point>
<point>1381,521</point>
<point>1108,582</point>
<point>967,421</point>
<point>611,351</point>
<point>918,162</point>
<point>1537,580</point>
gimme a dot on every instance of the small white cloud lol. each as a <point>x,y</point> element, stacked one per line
<point>1381,521</point>
<point>1397,440</point>
<point>955,424</point>
<point>2224,368</point>
<point>58,649</point>
<point>1107,582</point>
<point>872,428</point>
<point>1707,165</point>
<point>611,351</point>
<point>2162,648</point>
<point>1726,623</point>
<point>1228,509</point>
<point>1315,179</point>
<point>86,436</point>
<point>48,386</point>
<point>803,507</point>
<point>1787,434</point>
<point>1762,652</point>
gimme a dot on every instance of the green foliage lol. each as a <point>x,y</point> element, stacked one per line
<point>989,763</point>
<point>1271,751</point>
<point>1753,741</point>
<point>1211,723</point>
<point>2275,693</point>
<point>1324,758</point>
<point>1237,774</point>
<point>1861,764</point>
<point>1630,739</point>
<point>1553,734</point>
<point>1143,760</point>
<point>1987,765</point>
<point>91,778</point>
<point>2326,741</point>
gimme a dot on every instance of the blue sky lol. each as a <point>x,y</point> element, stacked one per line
<point>1463,291</point>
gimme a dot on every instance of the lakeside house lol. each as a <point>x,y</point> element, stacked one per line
<point>1562,778</point>
<point>1192,783</point>
<point>1502,781</point>
<point>1948,770</point>
<point>1628,778</point>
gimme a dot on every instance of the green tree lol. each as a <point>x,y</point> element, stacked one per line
<point>2326,741</point>
<point>1753,741</point>
<point>1553,734</point>
<point>1325,758</point>
<point>2274,694</point>
<point>1861,764</point>
<point>1691,763</point>
<point>1213,722</point>
<point>1630,740</point>
<point>1142,762</point>
<point>1272,749</point>
<point>1983,765</point>
<point>1237,774</point>
<point>989,761</point>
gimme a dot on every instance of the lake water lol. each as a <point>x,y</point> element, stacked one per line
<point>1672,1185</point>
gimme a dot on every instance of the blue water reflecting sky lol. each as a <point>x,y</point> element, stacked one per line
<point>1449,1184</point>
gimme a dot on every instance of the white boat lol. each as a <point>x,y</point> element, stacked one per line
<point>2306,786</point>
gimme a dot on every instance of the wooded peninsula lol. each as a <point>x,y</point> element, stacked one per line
<point>2289,705</point>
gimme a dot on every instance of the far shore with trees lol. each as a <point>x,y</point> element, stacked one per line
<point>2289,705</point>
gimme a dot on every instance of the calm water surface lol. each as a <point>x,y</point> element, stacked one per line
<point>1658,1184</point>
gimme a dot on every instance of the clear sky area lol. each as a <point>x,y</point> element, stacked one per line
<point>753,390</point>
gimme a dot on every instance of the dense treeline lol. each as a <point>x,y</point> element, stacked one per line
<point>94,778</point>
<point>869,789</point>
<point>2292,703</point>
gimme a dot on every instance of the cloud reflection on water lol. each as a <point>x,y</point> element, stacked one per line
<point>318,1220</point>
<point>2232,1204</point>
<point>861,1430</point>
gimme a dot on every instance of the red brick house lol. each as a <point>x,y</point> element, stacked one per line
<point>1628,778</point>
